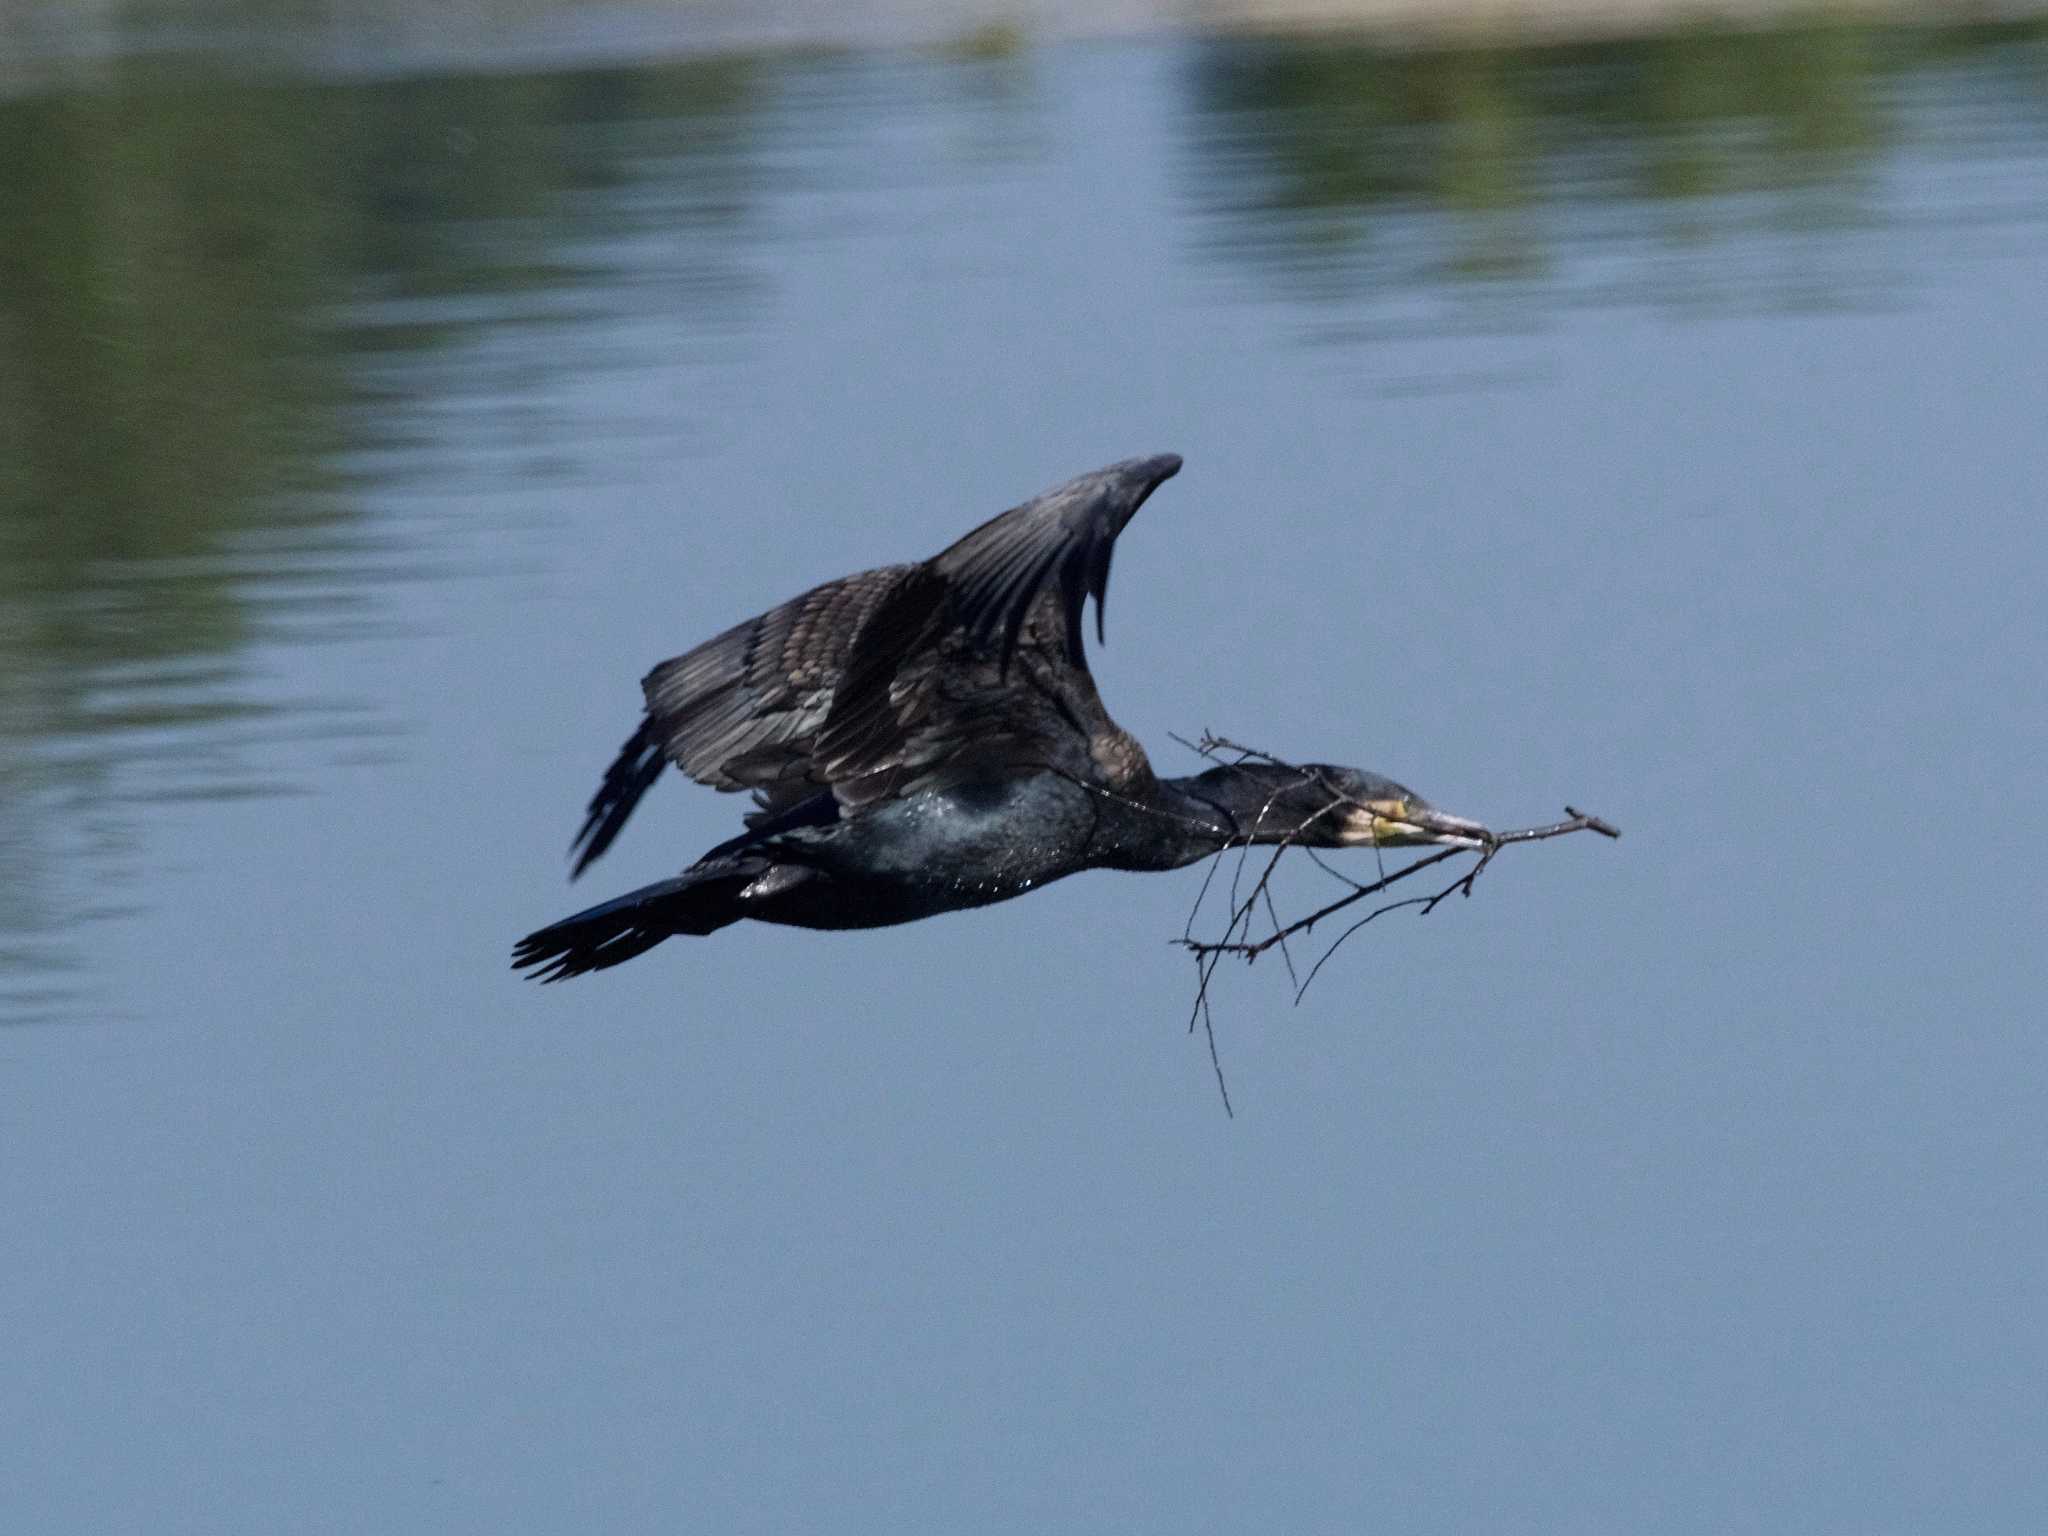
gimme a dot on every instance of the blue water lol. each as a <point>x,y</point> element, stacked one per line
<point>1651,428</point>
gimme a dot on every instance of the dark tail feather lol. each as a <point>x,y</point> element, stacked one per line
<point>630,776</point>
<point>697,902</point>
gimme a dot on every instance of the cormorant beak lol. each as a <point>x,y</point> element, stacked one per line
<point>1409,823</point>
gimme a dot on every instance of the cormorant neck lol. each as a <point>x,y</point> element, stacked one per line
<point>1257,802</point>
<point>1187,819</point>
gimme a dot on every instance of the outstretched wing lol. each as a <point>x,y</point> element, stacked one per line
<point>740,711</point>
<point>901,677</point>
<point>974,663</point>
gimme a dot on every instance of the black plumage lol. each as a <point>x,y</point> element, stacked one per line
<point>922,738</point>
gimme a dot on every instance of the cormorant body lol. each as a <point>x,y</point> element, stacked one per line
<point>925,738</point>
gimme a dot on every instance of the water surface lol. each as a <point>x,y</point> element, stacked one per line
<point>1650,426</point>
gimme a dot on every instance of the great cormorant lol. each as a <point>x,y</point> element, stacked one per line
<point>922,738</point>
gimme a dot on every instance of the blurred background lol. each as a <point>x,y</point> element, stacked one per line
<point>1626,403</point>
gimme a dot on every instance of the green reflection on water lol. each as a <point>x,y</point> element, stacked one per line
<point>153,392</point>
<point>232,304</point>
<point>181,409</point>
<point>1310,152</point>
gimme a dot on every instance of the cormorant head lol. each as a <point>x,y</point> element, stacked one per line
<point>1379,812</point>
<point>1324,806</point>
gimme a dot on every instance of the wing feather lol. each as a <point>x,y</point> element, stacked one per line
<point>901,677</point>
<point>978,664</point>
<point>739,711</point>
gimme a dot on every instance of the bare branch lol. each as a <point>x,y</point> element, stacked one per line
<point>1244,905</point>
<point>1251,950</point>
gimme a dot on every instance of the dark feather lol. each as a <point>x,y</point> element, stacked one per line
<point>631,774</point>
<point>900,678</point>
<point>701,900</point>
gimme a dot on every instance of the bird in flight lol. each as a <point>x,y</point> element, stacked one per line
<point>924,738</point>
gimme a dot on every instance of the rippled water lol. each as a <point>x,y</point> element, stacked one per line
<point>1653,424</point>
<point>278,352</point>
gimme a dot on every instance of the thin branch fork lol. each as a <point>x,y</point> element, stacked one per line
<point>1245,905</point>
<point>1237,934</point>
<point>1576,821</point>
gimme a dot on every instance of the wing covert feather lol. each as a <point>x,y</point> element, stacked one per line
<point>976,663</point>
<point>903,677</point>
<point>740,711</point>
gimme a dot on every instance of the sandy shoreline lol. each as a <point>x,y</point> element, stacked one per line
<point>375,37</point>
<point>1423,21</point>
<point>857,23</point>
